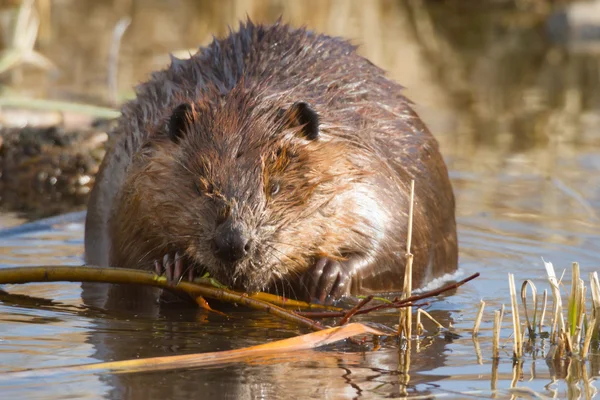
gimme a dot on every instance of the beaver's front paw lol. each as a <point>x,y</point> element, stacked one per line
<point>174,267</point>
<point>328,280</point>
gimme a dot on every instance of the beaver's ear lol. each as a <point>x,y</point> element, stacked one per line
<point>301,113</point>
<point>179,121</point>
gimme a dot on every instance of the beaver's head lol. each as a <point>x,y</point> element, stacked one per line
<point>250,189</point>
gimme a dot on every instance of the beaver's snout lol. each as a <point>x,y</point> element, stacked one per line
<point>230,243</point>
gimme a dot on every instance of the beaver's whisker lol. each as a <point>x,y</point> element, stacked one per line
<point>273,249</point>
<point>288,244</point>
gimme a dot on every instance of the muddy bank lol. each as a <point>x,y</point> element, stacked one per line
<point>48,170</point>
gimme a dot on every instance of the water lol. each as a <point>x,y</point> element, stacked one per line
<point>515,108</point>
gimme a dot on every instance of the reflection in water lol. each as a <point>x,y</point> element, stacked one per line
<point>516,113</point>
<point>52,322</point>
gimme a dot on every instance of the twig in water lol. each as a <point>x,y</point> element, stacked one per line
<point>122,275</point>
<point>408,302</point>
<point>545,301</point>
<point>419,325</point>
<point>589,333</point>
<point>576,308</point>
<point>478,318</point>
<point>558,323</point>
<point>405,317</point>
<point>531,324</point>
<point>518,343</point>
<point>425,313</point>
<point>435,292</point>
<point>354,310</point>
<point>341,314</point>
<point>595,290</point>
<point>496,337</point>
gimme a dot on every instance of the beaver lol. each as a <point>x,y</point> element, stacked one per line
<point>275,159</point>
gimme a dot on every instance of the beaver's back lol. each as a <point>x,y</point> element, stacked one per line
<point>352,95</point>
<point>325,71</point>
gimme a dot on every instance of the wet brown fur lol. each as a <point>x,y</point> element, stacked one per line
<point>345,193</point>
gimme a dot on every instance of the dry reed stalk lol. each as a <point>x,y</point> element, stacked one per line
<point>545,302</point>
<point>426,314</point>
<point>595,286</point>
<point>576,307</point>
<point>595,292</point>
<point>517,338</point>
<point>589,333</point>
<point>573,301</point>
<point>531,324</point>
<point>582,312</point>
<point>475,340</point>
<point>405,320</point>
<point>496,336</point>
<point>478,318</point>
<point>568,347</point>
<point>558,323</point>
<point>419,325</point>
<point>560,347</point>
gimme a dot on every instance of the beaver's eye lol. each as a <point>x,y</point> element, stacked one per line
<point>198,188</point>
<point>274,188</point>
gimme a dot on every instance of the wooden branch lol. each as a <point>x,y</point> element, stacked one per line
<point>19,275</point>
<point>408,302</point>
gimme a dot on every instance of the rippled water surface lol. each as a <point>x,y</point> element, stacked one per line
<point>515,107</point>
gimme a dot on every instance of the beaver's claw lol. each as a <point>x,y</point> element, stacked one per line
<point>173,266</point>
<point>328,280</point>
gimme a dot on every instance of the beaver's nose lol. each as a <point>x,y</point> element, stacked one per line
<point>230,244</point>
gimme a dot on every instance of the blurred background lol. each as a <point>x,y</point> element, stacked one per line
<point>494,79</point>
